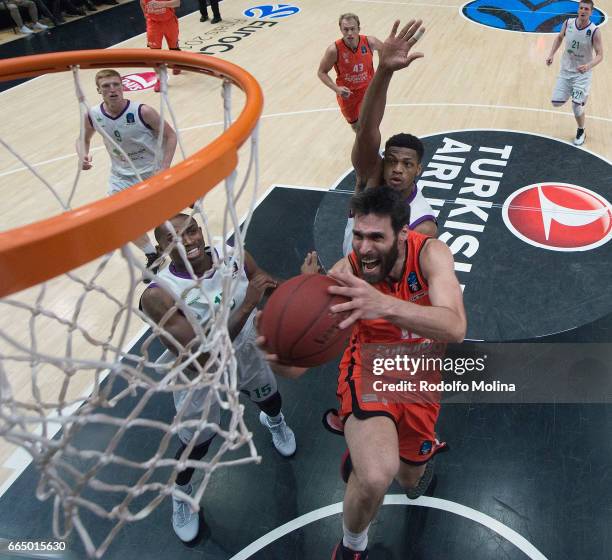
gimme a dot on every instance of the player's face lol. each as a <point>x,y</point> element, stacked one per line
<point>400,168</point>
<point>193,241</point>
<point>111,89</point>
<point>376,246</point>
<point>584,11</point>
<point>350,32</point>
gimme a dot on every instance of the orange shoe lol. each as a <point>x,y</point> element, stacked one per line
<point>176,71</point>
<point>156,87</point>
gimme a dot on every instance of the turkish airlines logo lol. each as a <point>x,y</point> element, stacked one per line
<point>559,217</point>
<point>138,82</point>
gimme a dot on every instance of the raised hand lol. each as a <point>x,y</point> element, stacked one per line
<point>395,53</point>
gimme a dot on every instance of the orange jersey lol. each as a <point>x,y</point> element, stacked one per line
<point>354,69</point>
<point>410,287</point>
<point>160,14</point>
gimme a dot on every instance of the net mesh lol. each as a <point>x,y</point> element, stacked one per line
<point>86,442</point>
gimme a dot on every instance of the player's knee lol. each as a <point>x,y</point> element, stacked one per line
<point>376,477</point>
<point>578,109</point>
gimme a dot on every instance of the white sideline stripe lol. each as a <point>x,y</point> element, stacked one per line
<point>397,500</point>
<point>326,110</point>
<point>20,458</point>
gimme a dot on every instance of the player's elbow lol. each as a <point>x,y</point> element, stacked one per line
<point>458,330</point>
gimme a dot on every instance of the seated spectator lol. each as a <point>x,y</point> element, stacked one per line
<point>13,7</point>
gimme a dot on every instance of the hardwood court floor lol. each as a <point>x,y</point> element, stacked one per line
<point>472,77</point>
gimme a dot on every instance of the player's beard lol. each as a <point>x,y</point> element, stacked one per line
<point>385,264</point>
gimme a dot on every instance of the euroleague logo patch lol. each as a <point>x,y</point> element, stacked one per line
<point>138,82</point>
<point>522,15</point>
<point>559,217</point>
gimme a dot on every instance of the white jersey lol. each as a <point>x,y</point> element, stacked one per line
<point>578,47</point>
<point>210,289</point>
<point>129,131</point>
<point>420,211</point>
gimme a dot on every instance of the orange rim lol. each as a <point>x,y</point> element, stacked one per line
<point>42,250</point>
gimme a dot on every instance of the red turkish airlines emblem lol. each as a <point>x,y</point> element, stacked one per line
<point>559,217</point>
<point>138,82</point>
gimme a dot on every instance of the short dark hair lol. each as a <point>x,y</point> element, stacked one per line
<point>382,201</point>
<point>404,140</point>
<point>161,230</point>
<point>589,2</point>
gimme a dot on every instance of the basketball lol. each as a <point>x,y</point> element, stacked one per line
<point>297,323</point>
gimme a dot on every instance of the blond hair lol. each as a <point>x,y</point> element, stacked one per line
<point>108,73</point>
<point>349,16</point>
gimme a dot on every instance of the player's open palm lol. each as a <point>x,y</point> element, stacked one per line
<point>395,53</point>
<point>366,301</point>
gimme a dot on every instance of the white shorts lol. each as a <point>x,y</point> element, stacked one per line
<point>118,183</point>
<point>255,378</point>
<point>577,87</point>
<point>420,211</point>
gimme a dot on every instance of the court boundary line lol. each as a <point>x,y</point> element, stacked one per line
<point>336,109</point>
<point>467,512</point>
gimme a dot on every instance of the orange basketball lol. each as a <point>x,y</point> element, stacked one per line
<point>298,325</point>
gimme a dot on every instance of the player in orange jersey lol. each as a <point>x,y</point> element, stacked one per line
<point>161,22</point>
<point>400,283</point>
<point>353,58</point>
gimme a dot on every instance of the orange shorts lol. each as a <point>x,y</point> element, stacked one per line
<point>157,30</point>
<point>351,105</point>
<point>415,422</point>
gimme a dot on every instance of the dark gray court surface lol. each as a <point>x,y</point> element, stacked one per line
<point>541,470</point>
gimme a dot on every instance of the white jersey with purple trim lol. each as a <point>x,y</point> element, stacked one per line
<point>420,211</point>
<point>210,288</point>
<point>578,47</point>
<point>131,133</point>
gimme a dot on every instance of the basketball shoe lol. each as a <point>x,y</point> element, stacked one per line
<point>341,552</point>
<point>580,137</point>
<point>283,437</point>
<point>185,522</point>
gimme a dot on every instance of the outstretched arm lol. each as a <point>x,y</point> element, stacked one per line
<point>394,55</point>
<point>556,44</point>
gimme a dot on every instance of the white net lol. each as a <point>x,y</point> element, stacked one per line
<point>79,393</point>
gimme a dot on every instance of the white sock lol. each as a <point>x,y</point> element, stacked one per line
<point>186,488</point>
<point>355,541</point>
<point>148,248</point>
<point>276,419</point>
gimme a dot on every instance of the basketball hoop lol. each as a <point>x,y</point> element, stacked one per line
<point>32,257</point>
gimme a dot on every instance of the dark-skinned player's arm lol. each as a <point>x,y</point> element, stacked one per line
<point>443,321</point>
<point>394,55</point>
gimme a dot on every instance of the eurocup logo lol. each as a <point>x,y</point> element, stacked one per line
<point>271,11</point>
<point>559,217</point>
<point>545,16</point>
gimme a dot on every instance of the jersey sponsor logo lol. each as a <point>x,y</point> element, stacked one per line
<point>559,217</point>
<point>129,118</point>
<point>413,282</point>
<point>138,82</point>
<point>545,16</point>
<point>271,11</point>
<point>364,50</point>
<point>588,33</point>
